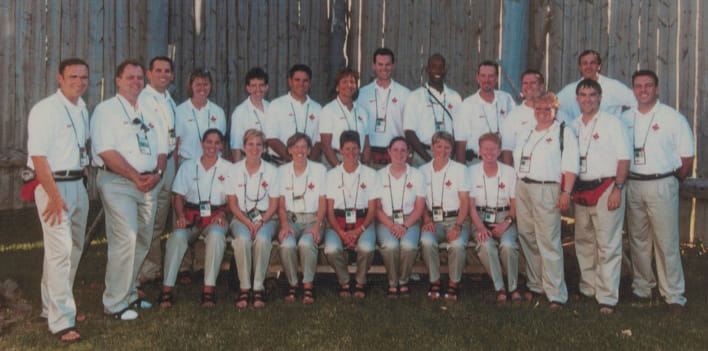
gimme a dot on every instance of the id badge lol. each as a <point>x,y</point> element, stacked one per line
<point>490,216</point>
<point>172,137</point>
<point>438,214</point>
<point>254,215</point>
<point>639,156</point>
<point>299,201</point>
<point>583,164</point>
<point>350,216</point>
<point>439,126</point>
<point>398,217</point>
<point>380,125</point>
<point>205,209</point>
<point>525,164</point>
<point>83,157</point>
<point>143,143</point>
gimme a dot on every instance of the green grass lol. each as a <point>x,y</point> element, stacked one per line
<point>335,324</point>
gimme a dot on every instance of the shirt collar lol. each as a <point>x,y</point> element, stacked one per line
<point>80,104</point>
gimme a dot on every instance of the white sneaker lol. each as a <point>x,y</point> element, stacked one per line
<point>126,315</point>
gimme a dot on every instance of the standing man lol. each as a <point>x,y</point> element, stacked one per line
<point>663,156</point>
<point>250,114</point>
<point>56,145</point>
<point>484,112</point>
<point>430,109</point>
<point>521,119</point>
<point>383,99</point>
<point>599,203</point>
<point>157,100</point>
<point>294,112</point>
<point>131,160</point>
<point>617,99</point>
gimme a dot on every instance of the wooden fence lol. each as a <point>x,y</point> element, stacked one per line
<point>228,37</point>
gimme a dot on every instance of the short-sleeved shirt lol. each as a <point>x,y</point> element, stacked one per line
<point>193,122</point>
<point>516,126</point>
<point>665,135</point>
<point>385,104</point>
<point>311,184</point>
<point>476,117</point>
<point>245,117</point>
<point>113,128</point>
<point>443,187</point>
<point>494,191</point>
<point>422,111</point>
<point>401,193</point>
<point>163,108</point>
<point>57,129</point>
<point>286,116</point>
<point>253,190</point>
<point>543,148</point>
<point>351,190</point>
<point>603,141</point>
<point>615,97</point>
<point>197,184</point>
<point>336,118</point>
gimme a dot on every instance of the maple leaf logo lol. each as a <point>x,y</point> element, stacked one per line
<point>596,136</point>
<point>502,185</point>
<point>360,118</point>
<point>449,106</point>
<point>68,125</point>
<point>213,118</point>
<point>502,111</point>
<point>448,183</point>
<point>394,100</point>
<point>363,186</point>
<point>151,126</point>
<point>311,186</point>
<point>221,178</point>
<point>548,140</point>
<point>655,126</point>
<point>264,184</point>
<point>409,185</point>
<point>312,117</point>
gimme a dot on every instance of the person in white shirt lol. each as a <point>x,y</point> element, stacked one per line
<point>521,119</point>
<point>663,156</point>
<point>384,100</point>
<point>253,200</point>
<point>546,163</point>
<point>447,198</point>
<point>301,210</point>
<point>200,205</point>
<point>294,112</point>
<point>126,147</point>
<point>430,109</point>
<point>401,193</point>
<point>343,114</point>
<point>483,112</point>
<point>57,132</point>
<point>617,97</point>
<point>492,212</point>
<point>599,203</point>
<point>158,100</point>
<point>251,113</point>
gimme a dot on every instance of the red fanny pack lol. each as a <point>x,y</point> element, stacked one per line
<point>27,190</point>
<point>342,221</point>
<point>201,222</point>
<point>588,193</point>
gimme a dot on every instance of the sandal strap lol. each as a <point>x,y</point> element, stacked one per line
<point>208,297</point>
<point>165,296</point>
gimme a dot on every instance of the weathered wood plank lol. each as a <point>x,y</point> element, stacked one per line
<point>221,59</point>
<point>7,61</point>
<point>53,33</point>
<point>208,42</point>
<point>110,59</point>
<point>667,28</point>
<point>539,24</point>
<point>555,79</point>
<point>83,17</point>
<point>187,38</point>
<point>687,65</point>
<point>157,23</point>
<point>240,50</point>
<point>122,31</point>
<point>23,12</point>
<point>95,54</point>
<point>174,33</point>
<point>702,92</point>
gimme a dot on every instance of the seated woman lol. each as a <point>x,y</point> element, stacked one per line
<point>200,208</point>
<point>492,211</point>
<point>447,200</point>
<point>253,199</point>
<point>401,195</point>
<point>301,210</point>
<point>351,208</point>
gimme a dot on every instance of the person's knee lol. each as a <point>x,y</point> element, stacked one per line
<point>365,248</point>
<point>428,241</point>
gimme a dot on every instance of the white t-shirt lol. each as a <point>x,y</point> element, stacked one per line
<point>604,142</point>
<point>336,118</point>
<point>193,122</point>
<point>286,116</point>
<point>309,186</point>
<point>253,189</point>
<point>387,105</point>
<point>351,190</point>
<point>245,117</point>
<point>615,97</point>
<point>197,184</point>
<point>443,187</point>
<point>400,193</point>
<point>423,112</point>
<point>476,117</point>
<point>494,191</point>
<point>543,148</point>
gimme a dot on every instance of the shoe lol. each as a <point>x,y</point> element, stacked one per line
<point>291,294</point>
<point>359,291</point>
<point>607,309</point>
<point>140,304</point>
<point>208,299</point>
<point>165,300</point>
<point>434,291</point>
<point>516,296</point>
<point>392,293</point>
<point>452,292</point>
<point>556,306</point>
<point>125,315</point>
<point>404,291</point>
<point>258,298</point>
<point>242,300</point>
<point>68,335</point>
<point>501,297</point>
<point>344,290</point>
<point>308,296</point>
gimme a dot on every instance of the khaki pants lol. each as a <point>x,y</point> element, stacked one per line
<point>63,244</point>
<point>652,220</point>
<point>252,255</point>
<point>177,244</point>
<point>494,249</point>
<point>398,254</point>
<point>337,258</point>
<point>429,243</point>
<point>302,243</point>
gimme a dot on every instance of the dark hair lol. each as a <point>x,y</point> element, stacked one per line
<point>256,73</point>
<point>437,56</point>
<point>71,62</point>
<point>489,63</point>
<point>162,58</point>
<point>444,136</point>
<point>590,52</point>
<point>534,72</point>
<point>213,131</point>
<point>384,52</point>
<point>197,73</point>
<point>646,73</point>
<point>297,137</point>
<point>588,83</point>
<point>349,136</point>
<point>347,72</point>
<point>129,62</point>
<point>300,67</point>
<point>397,139</point>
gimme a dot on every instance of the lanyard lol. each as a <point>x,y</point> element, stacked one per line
<point>135,120</point>
<point>292,180</point>
<point>496,116</point>
<point>442,104</point>
<point>163,112</point>
<point>73,127</point>
<point>199,194</point>
<point>589,137</point>
<point>403,192</point>
<point>484,181</point>
<point>246,198</point>
<point>260,123</point>
<point>346,119</point>
<point>534,145</point>
<point>442,187</point>
<point>376,100</point>
<point>646,134</point>
<point>356,197</point>
<point>196,122</point>
<point>307,112</point>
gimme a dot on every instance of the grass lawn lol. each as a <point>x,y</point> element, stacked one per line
<point>336,324</point>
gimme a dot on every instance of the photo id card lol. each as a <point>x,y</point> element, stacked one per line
<point>398,217</point>
<point>525,164</point>
<point>438,215</point>
<point>583,164</point>
<point>83,157</point>
<point>350,216</point>
<point>205,209</point>
<point>254,215</point>
<point>490,215</point>
<point>380,125</point>
<point>639,156</point>
<point>143,143</point>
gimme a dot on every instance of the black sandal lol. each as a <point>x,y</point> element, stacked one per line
<point>165,299</point>
<point>434,291</point>
<point>404,291</point>
<point>308,296</point>
<point>258,298</point>
<point>291,294</point>
<point>451,293</point>
<point>184,278</point>
<point>391,294</point>
<point>208,299</point>
<point>344,290</point>
<point>243,296</point>
<point>359,291</point>
<point>60,334</point>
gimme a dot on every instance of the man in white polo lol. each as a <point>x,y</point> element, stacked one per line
<point>521,119</point>
<point>131,160</point>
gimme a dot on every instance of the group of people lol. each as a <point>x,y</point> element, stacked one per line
<point>407,170</point>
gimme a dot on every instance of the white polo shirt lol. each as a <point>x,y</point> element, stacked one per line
<point>253,190</point>
<point>351,190</point>
<point>197,184</point>
<point>193,122</point>
<point>286,116</point>
<point>477,116</point>
<point>245,117</point>
<point>112,128</point>
<point>543,148</point>
<point>665,135</point>
<point>336,118</point>
<point>603,141</point>
<point>400,193</point>
<point>163,108</point>
<point>311,184</point>
<point>57,129</point>
<point>494,191</point>
<point>443,187</point>
<point>386,104</point>
<point>615,96</point>
<point>422,111</point>
<point>516,126</point>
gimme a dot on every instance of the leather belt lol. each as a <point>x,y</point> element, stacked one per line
<point>68,175</point>
<point>360,213</point>
<point>655,176</point>
<point>191,206</point>
<point>533,181</point>
<point>447,214</point>
<point>499,209</point>
<point>593,182</point>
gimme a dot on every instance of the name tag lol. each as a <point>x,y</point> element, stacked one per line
<point>254,215</point>
<point>583,164</point>
<point>299,201</point>
<point>525,164</point>
<point>350,216</point>
<point>205,209</point>
<point>639,156</point>
<point>172,137</point>
<point>83,157</point>
<point>380,125</point>
<point>398,217</point>
<point>439,126</point>
<point>438,214</point>
<point>143,143</point>
<point>489,215</point>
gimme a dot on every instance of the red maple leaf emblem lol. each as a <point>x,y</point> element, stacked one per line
<point>68,125</point>
<point>502,185</point>
<point>548,140</point>
<point>151,126</point>
<point>371,101</point>
<point>502,111</point>
<point>596,136</point>
<point>312,117</point>
<point>311,186</point>
<point>264,184</point>
<point>213,118</point>
<point>482,116</point>
<point>655,126</point>
<point>449,106</point>
<point>363,186</point>
<point>360,118</point>
<point>221,178</point>
<point>448,183</point>
<point>394,100</point>
<point>409,185</point>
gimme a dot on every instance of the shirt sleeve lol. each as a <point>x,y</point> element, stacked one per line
<point>331,184</point>
<point>323,187</point>
<point>39,134</point>
<point>180,185</point>
<point>101,136</point>
<point>684,139</point>
<point>327,117</point>
<point>410,114</point>
<point>461,124</point>
<point>570,157</point>
<point>619,139</point>
<point>274,186</point>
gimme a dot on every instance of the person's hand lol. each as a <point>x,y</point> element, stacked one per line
<point>315,231</point>
<point>52,214</point>
<point>181,223</point>
<point>498,229</point>
<point>454,233</point>
<point>483,234</point>
<point>564,202</point>
<point>219,219</point>
<point>284,232</point>
<point>398,231</point>
<point>615,199</point>
<point>254,227</point>
<point>429,227</point>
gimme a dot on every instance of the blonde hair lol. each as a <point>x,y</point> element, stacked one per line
<point>253,133</point>
<point>443,135</point>
<point>547,97</point>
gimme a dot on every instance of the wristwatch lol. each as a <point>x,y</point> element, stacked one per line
<point>619,186</point>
